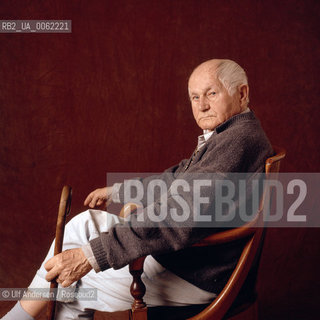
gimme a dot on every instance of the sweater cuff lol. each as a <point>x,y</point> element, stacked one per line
<point>90,256</point>
<point>99,254</point>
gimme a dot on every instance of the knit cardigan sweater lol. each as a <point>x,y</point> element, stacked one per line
<point>237,145</point>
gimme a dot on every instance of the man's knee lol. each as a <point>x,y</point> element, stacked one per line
<point>89,224</point>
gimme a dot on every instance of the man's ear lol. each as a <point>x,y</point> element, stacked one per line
<point>244,94</point>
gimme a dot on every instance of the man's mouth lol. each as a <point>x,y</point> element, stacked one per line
<point>207,117</point>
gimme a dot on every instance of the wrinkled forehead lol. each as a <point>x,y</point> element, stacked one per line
<point>203,77</point>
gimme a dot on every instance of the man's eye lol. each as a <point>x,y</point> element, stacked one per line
<point>212,93</point>
<point>195,98</point>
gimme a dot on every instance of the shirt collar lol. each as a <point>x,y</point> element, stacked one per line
<point>203,138</point>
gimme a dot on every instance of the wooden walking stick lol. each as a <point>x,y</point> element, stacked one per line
<point>64,209</point>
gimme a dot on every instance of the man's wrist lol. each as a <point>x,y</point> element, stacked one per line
<point>115,192</point>
<point>86,249</point>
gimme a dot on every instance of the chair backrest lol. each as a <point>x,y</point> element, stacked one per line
<point>222,303</point>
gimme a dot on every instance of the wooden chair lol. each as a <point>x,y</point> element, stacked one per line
<point>220,307</point>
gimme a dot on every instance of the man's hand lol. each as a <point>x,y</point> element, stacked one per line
<point>67,267</point>
<point>98,197</point>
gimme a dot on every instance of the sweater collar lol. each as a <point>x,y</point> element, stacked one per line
<point>202,140</point>
<point>207,134</point>
<point>233,120</point>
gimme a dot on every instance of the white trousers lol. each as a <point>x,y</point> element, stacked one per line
<point>113,286</point>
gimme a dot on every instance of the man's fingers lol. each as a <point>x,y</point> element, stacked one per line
<point>99,202</point>
<point>92,199</point>
<point>96,197</point>
<point>92,204</point>
<point>66,283</point>
<point>88,199</point>
<point>53,273</point>
<point>50,263</point>
<point>68,267</point>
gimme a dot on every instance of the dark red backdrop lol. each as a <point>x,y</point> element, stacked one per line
<point>111,96</point>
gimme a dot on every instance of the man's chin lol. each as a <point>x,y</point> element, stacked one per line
<point>207,125</point>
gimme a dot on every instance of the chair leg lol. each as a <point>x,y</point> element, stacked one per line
<point>137,290</point>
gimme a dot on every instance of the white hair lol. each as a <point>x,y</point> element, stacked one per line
<point>231,75</point>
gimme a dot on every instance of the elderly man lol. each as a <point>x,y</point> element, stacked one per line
<point>232,141</point>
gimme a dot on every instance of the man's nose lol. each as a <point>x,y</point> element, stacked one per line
<point>204,104</point>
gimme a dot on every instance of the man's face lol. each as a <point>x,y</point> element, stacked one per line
<point>210,100</point>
